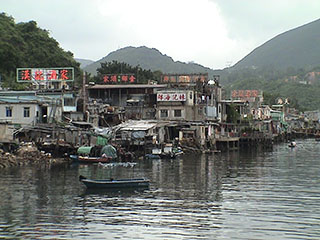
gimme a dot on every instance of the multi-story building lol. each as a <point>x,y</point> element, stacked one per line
<point>190,97</point>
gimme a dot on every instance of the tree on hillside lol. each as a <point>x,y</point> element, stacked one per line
<point>278,83</point>
<point>233,116</point>
<point>26,45</point>
<point>115,67</point>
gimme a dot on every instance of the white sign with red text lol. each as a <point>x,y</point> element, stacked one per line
<point>171,97</point>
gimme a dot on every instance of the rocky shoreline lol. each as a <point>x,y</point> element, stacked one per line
<point>28,154</point>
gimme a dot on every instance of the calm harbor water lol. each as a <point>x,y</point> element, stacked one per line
<point>235,195</point>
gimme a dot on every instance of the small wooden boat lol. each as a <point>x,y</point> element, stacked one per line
<point>85,159</point>
<point>114,183</point>
<point>292,144</point>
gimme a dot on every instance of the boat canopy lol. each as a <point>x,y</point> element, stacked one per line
<point>84,150</point>
<point>109,150</point>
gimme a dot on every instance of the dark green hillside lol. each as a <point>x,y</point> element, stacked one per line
<point>26,45</point>
<point>149,59</point>
<point>303,94</point>
<point>297,48</point>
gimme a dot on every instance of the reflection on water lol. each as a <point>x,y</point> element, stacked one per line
<point>235,195</point>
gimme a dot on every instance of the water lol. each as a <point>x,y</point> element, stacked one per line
<point>235,195</point>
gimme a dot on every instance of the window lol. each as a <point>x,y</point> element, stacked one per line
<point>177,113</point>
<point>26,112</point>
<point>8,111</point>
<point>163,113</point>
<point>190,95</point>
<point>69,102</point>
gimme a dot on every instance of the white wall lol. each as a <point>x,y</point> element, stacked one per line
<point>17,113</point>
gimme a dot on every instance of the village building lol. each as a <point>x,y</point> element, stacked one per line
<point>190,97</point>
<point>23,108</point>
<point>248,103</point>
<point>263,113</point>
<point>181,110</point>
<point>176,100</point>
<point>295,121</point>
<point>195,99</point>
<point>109,104</point>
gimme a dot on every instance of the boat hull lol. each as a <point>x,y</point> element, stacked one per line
<point>81,159</point>
<point>111,183</point>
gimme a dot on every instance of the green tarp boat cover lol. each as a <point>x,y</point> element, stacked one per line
<point>101,141</point>
<point>109,150</point>
<point>84,150</point>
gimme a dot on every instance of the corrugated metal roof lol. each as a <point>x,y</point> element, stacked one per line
<point>27,96</point>
<point>137,125</point>
<point>12,100</point>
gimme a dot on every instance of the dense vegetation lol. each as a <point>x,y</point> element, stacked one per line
<point>26,45</point>
<point>303,93</point>
<point>148,58</point>
<point>115,67</point>
<point>280,68</point>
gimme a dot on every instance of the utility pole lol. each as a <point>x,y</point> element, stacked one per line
<point>84,95</point>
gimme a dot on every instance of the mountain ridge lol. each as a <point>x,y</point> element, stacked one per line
<point>84,62</point>
<point>297,47</point>
<point>148,58</point>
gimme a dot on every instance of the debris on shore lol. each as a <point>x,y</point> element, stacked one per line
<point>28,154</point>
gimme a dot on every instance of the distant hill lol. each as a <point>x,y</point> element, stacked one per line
<point>83,62</point>
<point>282,67</point>
<point>149,58</point>
<point>297,48</point>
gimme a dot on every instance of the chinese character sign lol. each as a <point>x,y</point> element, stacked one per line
<point>184,78</point>
<point>118,78</point>
<point>171,97</point>
<point>45,74</point>
<point>245,94</point>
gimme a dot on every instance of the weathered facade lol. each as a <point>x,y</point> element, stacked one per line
<point>31,107</point>
<point>120,102</point>
<point>196,100</point>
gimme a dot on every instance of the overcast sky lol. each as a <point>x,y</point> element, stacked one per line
<point>213,33</point>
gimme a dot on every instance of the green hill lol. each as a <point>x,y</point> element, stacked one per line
<point>282,67</point>
<point>26,45</point>
<point>297,48</point>
<point>149,59</point>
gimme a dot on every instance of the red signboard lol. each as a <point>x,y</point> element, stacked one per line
<point>245,93</point>
<point>118,78</point>
<point>45,74</point>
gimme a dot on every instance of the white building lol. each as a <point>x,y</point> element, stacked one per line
<point>23,108</point>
